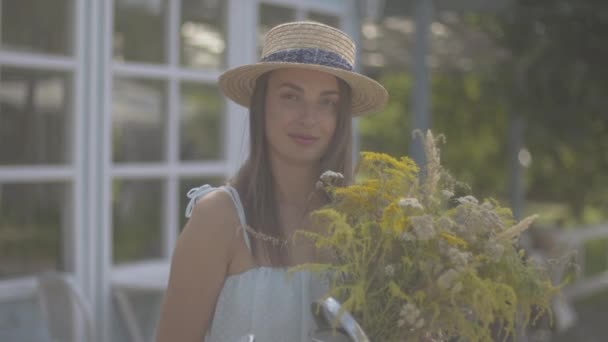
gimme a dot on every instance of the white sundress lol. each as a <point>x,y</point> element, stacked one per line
<point>263,301</point>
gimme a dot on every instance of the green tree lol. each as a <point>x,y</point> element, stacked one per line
<point>466,109</point>
<point>551,70</point>
<point>556,77</point>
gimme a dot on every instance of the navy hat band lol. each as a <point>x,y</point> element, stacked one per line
<point>309,56</point>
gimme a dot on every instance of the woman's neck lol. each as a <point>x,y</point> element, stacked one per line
<point>294,183</point>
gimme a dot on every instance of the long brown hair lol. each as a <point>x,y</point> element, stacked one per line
<point>255,181</point>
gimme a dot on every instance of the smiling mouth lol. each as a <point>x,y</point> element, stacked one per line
<point>303,139</point>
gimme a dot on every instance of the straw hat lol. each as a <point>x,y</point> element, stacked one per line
<point>307,45</point>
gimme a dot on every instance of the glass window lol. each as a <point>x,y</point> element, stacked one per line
<point>326,19</point>
<point>201,122</point>
<point>137,212</point>
<point>35,117</point>
<point>140,31</point>
<point>138,120</point>
<point>33,221</point>
<point>40,26</point>
<point>202,33</point>
<point>185,185</point>
<point>271,16</point>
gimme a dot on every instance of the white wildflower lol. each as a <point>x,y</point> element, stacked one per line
<point>410,313</point>
<point>457,258</point>
<point>447,278</point>
<point>487,205</point>
<point>389,270</point>
<point>445,223</point>
<point>423,227</point>
<point>462,215</point>
<point>468,200</point>
<point>410,202</point>
<point>457,287</point>
<point>406,236</point>
<point>319,185</point>
<point>495,250</point>
<point>331,177</point>
<point>447,194</point>
<point>490,219</point>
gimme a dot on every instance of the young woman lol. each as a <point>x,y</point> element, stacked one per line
<point>228,279</point>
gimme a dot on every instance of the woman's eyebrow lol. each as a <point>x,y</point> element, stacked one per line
<point>292,86</point>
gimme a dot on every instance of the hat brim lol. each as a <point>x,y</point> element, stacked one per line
<point>368,96</point>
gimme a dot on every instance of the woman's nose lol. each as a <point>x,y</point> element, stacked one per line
<point>309,114</point>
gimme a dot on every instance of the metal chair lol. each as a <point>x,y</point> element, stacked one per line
<point>63,305</point>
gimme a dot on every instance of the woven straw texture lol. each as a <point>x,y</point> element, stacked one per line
<point>367,95</point>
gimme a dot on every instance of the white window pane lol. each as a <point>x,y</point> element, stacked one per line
<point>138,120</point>
<point>271,16</point>
<point>201,122</point>
<point>33,219</point>
<point>41,26</point>
<point>202,33</point>
<point>137,213</point>
<point>140,31</point>
<point>35,117</point>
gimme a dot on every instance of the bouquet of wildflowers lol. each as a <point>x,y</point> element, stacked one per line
<point>412,261</point>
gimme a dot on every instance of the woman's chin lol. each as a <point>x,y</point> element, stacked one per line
<point>304,159</point>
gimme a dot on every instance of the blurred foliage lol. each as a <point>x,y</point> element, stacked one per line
<point>466,110</point>
<point>553,73</point>
<point>596,260</point>
<point>139,32</point>
<point>37,26</point>
<point>202,123</point>
<point>557,78</point>
<point>31,221</point>
<point>137,217</point>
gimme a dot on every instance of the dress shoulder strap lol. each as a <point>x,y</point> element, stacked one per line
<point>197,193</point>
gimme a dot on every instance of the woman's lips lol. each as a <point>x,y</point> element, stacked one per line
<point>303,139</point>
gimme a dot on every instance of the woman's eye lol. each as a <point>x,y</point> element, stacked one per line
<point>329,102</point>
<point>289,96</point>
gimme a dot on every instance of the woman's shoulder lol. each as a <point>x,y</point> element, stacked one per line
<point>215,209</point>
<point>213,222</point>
<point>213,198</point>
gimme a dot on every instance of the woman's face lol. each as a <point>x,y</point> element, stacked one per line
<point>301,114</point>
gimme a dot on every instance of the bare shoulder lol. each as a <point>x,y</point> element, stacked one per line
<point>208,239</point>
<point>216,206</point>
<point>214,215</point>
